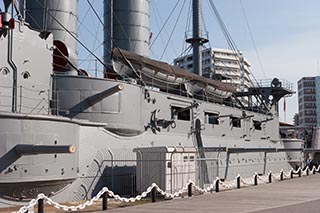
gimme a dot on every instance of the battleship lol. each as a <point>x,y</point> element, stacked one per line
<point>58,125</point>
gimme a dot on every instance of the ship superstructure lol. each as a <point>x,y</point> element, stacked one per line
<point>59,127</point>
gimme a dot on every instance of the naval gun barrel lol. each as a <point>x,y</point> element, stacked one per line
<point>31,149</point>
<point>92,100</point>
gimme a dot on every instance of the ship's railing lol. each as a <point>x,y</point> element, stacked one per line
<point>268,83</point>
<point>28,100</point>
<point>180,90</point>
<point>188,189</point>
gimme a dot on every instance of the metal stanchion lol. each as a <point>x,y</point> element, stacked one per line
<point>256,179</point>
<point>153,195</point>
<point>104,201</point>
<point>190,190</point>
<point>281,175</point>
<point>270,177</point>
<point>217,185</point>
<point>238,182</point>
<point>40,206</point>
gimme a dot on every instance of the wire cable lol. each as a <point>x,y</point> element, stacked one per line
<point>252,39</point>
<point>174,8</point>
<point>173,29</point>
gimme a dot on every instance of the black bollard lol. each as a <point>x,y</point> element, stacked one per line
<point>270,177</point>
<point>104,201</point>
<point>300,172</point>
<point>281,175</point>
<point>291,174</point>
<point>255,179</point>
<point>190,190</point>
<point>238,182</point>
<point>217,185</point>
<point>307,172</point>
<point>314,170</point>
<point>40,206</point>
<point>153,195</point>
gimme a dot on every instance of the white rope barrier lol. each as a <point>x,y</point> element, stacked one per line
<point>224,184</point>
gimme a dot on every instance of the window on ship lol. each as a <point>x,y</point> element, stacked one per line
<point>235,122</point>
<point>211,118</point>
<point>257,125</point>
<point>180,114</point>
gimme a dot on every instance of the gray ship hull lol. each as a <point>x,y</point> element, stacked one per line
<point>78,176</point>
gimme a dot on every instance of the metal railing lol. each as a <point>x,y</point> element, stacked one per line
<point>29,100</point>
<point>267,83</point>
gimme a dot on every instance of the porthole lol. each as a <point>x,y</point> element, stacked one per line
<point>4,70</point>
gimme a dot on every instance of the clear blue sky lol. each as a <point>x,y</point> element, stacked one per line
<point>286,33</point>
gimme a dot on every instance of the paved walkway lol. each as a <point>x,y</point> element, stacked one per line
<point>293,196</point>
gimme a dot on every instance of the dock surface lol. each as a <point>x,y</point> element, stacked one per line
<point>292,195</point>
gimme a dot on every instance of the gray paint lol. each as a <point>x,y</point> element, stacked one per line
<point>60,14</point>
<point>129,27</point>
<point>115,125</point>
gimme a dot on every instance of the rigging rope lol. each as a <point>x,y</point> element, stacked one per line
<point>174,8</point>
<point>233,46</point>
<point>173,29</point>
<point>252,39</point>
<point>156,11</point>
<point>73,36</point>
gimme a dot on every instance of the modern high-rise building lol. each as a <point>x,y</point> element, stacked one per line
<point>308,101</point>
<point>222,64</point>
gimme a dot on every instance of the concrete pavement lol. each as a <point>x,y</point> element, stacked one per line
<point>293,195</point>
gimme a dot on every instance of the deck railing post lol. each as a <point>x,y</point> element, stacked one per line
<point>314,170</point>
<point>190,190</point>
<point>300,172</point>
<point>217,185</point>
<point>291,174</point>
<point>307,170</point>
<point>104,201</point>
<point>270,177</point>
<point>238,182</point>
<point>281,175</point>
<point>255,179</point>
<point>153,195</point>
<point>40,205</point>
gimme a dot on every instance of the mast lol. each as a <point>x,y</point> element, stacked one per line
<point>197,56</point>
<point>197,41</point>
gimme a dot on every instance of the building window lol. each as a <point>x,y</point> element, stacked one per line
<point>180,114</point>
<point>211,118</point>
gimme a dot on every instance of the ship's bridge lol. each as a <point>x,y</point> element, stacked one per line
<point>269,91</point>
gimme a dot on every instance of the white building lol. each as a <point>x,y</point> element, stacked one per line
<point>225,65</point>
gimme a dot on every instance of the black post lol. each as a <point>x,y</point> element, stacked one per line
<point>307,171</point>
<point>104,201</point>
<point>291,174</point>
<point>238,182</point>
<point>190,190</point>
<point>40,206</point>
<point>153,195</point>
<point>270,177</point>
<point>217,185</point>
<point>255,179</point>
<point>300,172</point>
<point>281,175</point>
<point>314,170</point>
